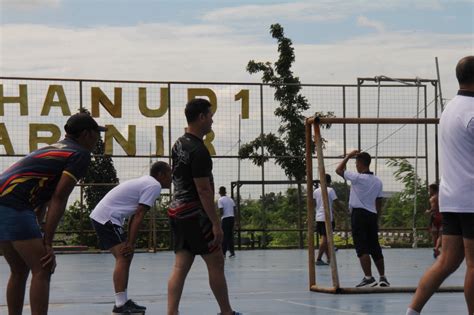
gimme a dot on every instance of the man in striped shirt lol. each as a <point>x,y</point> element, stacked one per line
<point>43,179</point>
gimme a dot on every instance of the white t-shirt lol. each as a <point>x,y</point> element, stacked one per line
<point>319,206</point>
<point>122,201</point>
<point>365,188</point>
<point>456,155</point>
<point>227,204</point>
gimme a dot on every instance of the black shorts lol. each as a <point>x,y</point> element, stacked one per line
<point>461,224</point>
<point>109,234</point>
<point>365,233</point>
<point>321,227</point>
<point>193,234</point>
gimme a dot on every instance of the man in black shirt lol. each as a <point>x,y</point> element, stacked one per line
<point>193,218</point>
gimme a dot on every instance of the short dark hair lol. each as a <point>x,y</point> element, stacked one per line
<point>328,179</point>
<point>364,157</point>
<point>465,70</point>
<point>159,167</point>
<point>433,187</point>
<point>195,107</point>
<point>222,190</point>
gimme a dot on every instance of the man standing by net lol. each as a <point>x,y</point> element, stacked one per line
<point>365,201</point>
<point>456,151</point>
<point>227,207</point>
<point>193,217</point>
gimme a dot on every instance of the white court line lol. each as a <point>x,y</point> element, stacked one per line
<point>321,307</point>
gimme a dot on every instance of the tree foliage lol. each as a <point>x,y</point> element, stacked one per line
<point>289,144</point>
<point>399,208</point>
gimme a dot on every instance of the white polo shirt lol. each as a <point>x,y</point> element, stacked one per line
<point>227,204</point>
<point>319,206</point>
<point>365,189</point>
<point>456,154</point>
<point>122,201</point>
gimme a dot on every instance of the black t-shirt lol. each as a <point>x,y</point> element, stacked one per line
<point>191,159</point>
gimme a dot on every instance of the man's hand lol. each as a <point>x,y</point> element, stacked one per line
<point>127,249</point>
<point>353,153</point>
<point>48,261</point>
<point>218,235</point>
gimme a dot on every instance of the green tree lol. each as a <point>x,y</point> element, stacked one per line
<point>399,208</point>
<point>289,145</point>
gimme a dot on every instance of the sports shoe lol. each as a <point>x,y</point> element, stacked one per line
<point>367,283</point>
<point>383,282</point>
<point>233,313</point>
<point>129,307</point>
<point>321,263</point>
<point>232,256</point>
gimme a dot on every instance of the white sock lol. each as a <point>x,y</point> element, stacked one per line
<point>368,277</point>
<point>412,312</point>
<point>120,298</point>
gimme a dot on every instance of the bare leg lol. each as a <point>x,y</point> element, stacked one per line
<point>215,267</point>
<point>323,248</point>
<point>121,270</point>
<point>448,262</point>
<point>366,265</point>
<point>380,266</point>
<point>183,262</point>
<point>469,279</point>
<point>19,272</point>
<point>31,252</point>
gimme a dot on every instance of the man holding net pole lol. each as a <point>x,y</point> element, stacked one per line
<point>365,202</point>
<point>456,143</point>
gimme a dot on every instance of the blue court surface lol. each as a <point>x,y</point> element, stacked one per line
<point>260,282</point>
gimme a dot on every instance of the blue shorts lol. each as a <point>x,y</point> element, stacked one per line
<point>17,225</point>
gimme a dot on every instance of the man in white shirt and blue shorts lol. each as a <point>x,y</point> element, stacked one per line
<point>365,202</point>
<point>456,152</point>
<point>131,199</point>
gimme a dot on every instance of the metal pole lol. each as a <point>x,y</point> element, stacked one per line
<point>415,197</point>
<point>264,212</point>
<point>377,129</point>
<point>439,84</point>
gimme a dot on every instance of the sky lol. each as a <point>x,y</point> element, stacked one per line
<point>335,41</point>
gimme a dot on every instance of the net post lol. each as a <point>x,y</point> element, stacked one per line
<point>324,194</point>
<point>310,204</point>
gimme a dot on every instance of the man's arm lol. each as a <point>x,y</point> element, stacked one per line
<point>133,227</point>
<point>206,195</point>
<point>57,205</point>
<point>342,166</point>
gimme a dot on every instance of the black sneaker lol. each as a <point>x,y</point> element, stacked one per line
<point>233,313</point>
<point>232,256</point>
<point>367,283</point>
<point>129,307</point>
<point>383,282</point>
<point>321,263</point>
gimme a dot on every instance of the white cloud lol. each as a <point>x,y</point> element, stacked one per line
<point>366,22</point>
<point>323,10</point>
<point>29,4</point>
<point>212,53</point>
